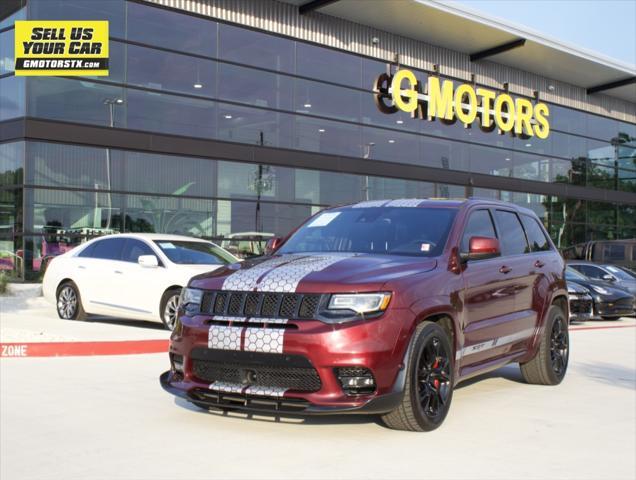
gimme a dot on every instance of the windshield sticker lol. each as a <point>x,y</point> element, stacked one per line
<point>166,245</point>
<point>426,247</point>
<point>323,220</point>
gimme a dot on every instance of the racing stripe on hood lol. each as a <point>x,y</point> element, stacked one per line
<point>286,277</point>
<point>281,274</point>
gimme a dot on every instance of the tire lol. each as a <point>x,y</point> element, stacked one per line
<point>549,365</point>
<point>429,382</point>
<point>69,303</point>
<point>168,308</point>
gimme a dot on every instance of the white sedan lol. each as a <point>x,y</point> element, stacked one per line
<point>136,276</point>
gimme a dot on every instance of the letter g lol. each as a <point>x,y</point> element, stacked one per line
<point>410,105</point>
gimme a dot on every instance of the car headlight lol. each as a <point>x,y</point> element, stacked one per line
<point>601,290</point>
<point>360,303</point>
<point>190,298</point>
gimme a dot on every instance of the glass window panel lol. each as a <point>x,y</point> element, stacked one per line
<point>628,129</point>
<point>531,167</point>
<point>254,126</point>
<point>453,130</point>
<point>371,115</point>
<point>512,237</point>
<point>243,180</point>
<point>600,213</point>
<point>627,156</point>
<point>111,10</point>
<point>10,20</point>
<point>568,146</point>
<point>175,31</point>
<point>63,212</point>
<point>158,112</point>
<point>10,223</point>
<point>601,177</point>
<point>256,87</point>
<point>626,214</point>
<point>171,72</point>
<point>486,193</point>
<point>493,161</point>
<point>259,49</point>
<point>173,215</point>
<point>476,134</point>
<point>167,174</point>
<point>75,101</point>
<point>326,64</point>
<point>12,97</point>
<point>324,136</point>
<point>441,153</point>
<point>58,165</point>
<point>567,119</point>
<point>391,146</point>
<point>627,180</point>
<point>108,248</point>
<point>371,69</point>
<point>600,152</point>
<point>602,128</point>
<point>479,225</point>
<point>389,188</point>
<point>273,218</point>
<point>7,54</point>
<point>326,100</point>
<point>535,144</point>
<point>11,163</point>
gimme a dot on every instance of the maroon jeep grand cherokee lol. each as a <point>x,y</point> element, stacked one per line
<point>381,307</point>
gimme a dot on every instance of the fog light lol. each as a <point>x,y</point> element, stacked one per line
<point>355,380</point>
<point>177,362</point>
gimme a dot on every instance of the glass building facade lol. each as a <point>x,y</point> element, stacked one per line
<point>177,78</point>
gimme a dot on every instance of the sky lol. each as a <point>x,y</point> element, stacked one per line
<point>604,26</point>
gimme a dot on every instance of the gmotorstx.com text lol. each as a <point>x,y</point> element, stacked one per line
<point>59,63</point>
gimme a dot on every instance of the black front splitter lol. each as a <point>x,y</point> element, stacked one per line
<point>286,406</point>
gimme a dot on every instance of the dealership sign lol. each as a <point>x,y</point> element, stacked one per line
<point>69,47</point>
<point>466,103</point>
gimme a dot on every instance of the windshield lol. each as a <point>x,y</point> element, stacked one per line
<point>571,274</point>
<point>194,253</point>
<point>415,231</point>
<point>619,273</point>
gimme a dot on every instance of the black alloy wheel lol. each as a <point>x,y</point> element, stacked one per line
<point>559,347</point>
<point>434,382</point>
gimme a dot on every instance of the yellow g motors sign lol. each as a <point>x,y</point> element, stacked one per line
<point>468,104</point>
<point>69,47</point>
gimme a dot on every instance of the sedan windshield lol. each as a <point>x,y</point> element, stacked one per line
<point>418,231</point>
<point>194,253</point>
<point>620,273</point>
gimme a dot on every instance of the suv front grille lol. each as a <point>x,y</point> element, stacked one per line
<point>291,372</point>
<point>261,304</point>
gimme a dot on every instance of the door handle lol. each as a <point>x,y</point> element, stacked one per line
<point>82,267</point>
<point>119,271</point>
<point>539,264</point>
<point>505,269</point>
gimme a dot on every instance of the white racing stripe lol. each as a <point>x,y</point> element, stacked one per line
<point>262,391</point>
<point>222,337</point>
<point>494,343</point>
<point>227,387</point>
<point>268,340</point>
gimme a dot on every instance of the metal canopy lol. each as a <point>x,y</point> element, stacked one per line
<point>611,85</point>
<point>469,32</point>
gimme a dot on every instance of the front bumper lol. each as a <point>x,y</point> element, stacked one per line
<point>619,308</point>
<point>581,307</point>
<point>378,345</point>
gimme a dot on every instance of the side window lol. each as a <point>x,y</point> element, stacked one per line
<point>513,239</point>
<point>536,237</point>
<point>134,248</point>
<point>591,272</point>
<point>479,225</point>
<point>88,251</point>
<point>108,249</point>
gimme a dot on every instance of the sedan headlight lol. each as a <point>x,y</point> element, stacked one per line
<point>601,290</point>
<point>360,303</point>
<point>191,298</point>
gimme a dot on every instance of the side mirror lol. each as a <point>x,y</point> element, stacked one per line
<point>481,248</point>
<point>608,278</point>
<point>272,245</point>
<point>148,261</point>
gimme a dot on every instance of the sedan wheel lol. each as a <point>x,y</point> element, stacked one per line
<point>69,304</point>
<point>170,309</point>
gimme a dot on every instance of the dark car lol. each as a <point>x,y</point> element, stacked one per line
<point>581,302</point>
<point>617,276</point>
<point>381,307</point>
<point>609,301</point>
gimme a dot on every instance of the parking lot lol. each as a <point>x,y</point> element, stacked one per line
<point>107,417</point>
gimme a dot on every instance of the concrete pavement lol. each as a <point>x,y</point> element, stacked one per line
<point>108,418</point>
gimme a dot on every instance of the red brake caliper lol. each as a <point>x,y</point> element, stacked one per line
<point>436,381</point>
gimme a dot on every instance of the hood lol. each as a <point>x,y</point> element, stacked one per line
<point>329,272</point>
<point>576,288</point>
<point>612,291</point>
